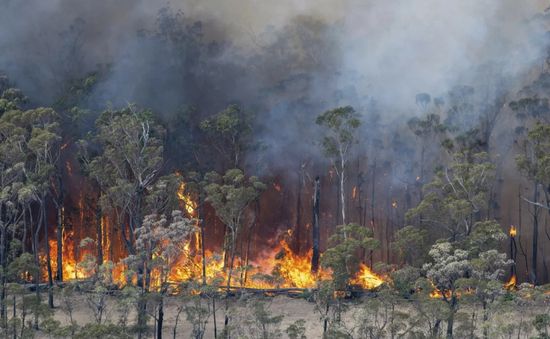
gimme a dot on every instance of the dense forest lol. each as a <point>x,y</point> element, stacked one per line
<point>354,169</point>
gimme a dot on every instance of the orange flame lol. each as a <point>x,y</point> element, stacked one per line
<point>511,284</point>
<point>367,279</point>
<point>513,231</point>
<point>279,267</point>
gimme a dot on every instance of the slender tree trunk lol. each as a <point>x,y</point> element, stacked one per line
<point>232,261</point>
<point>316,230</point>
<point>534,255</point>
<point>60,230</point>
<point>214,316</point>
<point>99,234</point>
<point>203,250</point>
<point>298,223</point>
<point>14,315</point>
<point>160,317</point>
<point>35,232</point>
<point>48,256</point>
<point>3,307</point>
<point>59,268</point>
<point>523,252</point>
<point>342,190</point>
<point>450,319</point>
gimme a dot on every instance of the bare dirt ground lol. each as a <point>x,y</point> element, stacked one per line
<point>293,309</point>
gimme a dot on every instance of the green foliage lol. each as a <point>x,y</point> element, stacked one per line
<point>261,323</point>
<point>448,265</point>
<point>341,124</point>
<point>457,197</point>
<point>342,256</point>
<point>542,324</point>
<point>486,235</point>
<point>231,193</point>
<point>296,330</point>
<point>230,132</point>
<point>534,163</point>
<point>404,280</point>
<point>410,244</point>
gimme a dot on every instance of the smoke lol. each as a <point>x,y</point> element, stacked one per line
<point>286,60</point>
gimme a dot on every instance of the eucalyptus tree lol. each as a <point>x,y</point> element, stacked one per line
<point>456,199</point>
<point>160,243</point>
<point>127,164</point>
<point>230,195</point>
<point>12,163</point>
<point>229,132</point>
<point>340,126</point>
<point>534,164</point>
<point>448,266</point>
<point>40,141</point>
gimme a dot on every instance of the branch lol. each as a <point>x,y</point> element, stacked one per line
<point>536,203</point>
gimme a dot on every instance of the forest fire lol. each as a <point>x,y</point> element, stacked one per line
<point>279,267</point>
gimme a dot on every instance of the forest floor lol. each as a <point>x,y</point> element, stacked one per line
<point>504,323</point>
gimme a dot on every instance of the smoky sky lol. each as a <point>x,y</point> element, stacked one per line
<point>286,60</point>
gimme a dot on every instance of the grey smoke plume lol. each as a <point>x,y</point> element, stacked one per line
<point>287,60</point>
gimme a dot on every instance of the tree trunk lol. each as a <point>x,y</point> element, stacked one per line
<point>534,255</point>
<point>35,232</point>
<point>298,223</point>
<point>523,252</point>
<point>203,250</point>
<point>450,319</point>
<point>48,256</point>
<point>316,231</point>
<point>343,191</point>
<point>59,269</point>
<point>160,318</point>
<point>99,233</point>
<point>232,261</point>
<point>3,307</point>
<point>214,317</point>
<point>60,230</point>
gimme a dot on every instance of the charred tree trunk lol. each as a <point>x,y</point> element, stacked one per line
<point>298,223</point>
<point>316,231</point>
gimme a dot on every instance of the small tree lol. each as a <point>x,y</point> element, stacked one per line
<point>342,256</point>
<point>160,242</point>
<point>341,125</point>
<point>230,195</point>
<point>448,266</point>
